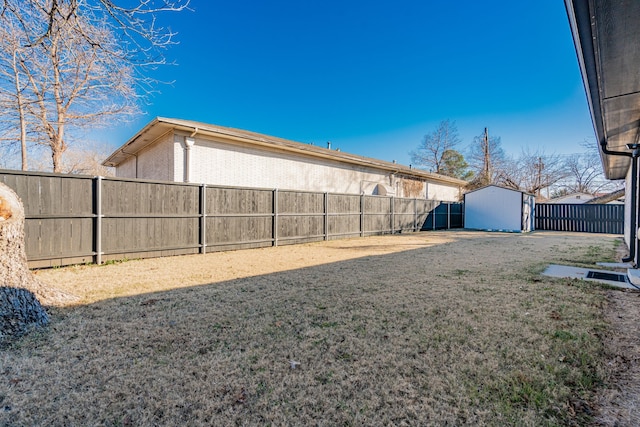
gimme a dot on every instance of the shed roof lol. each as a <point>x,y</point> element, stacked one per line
<point>161,125</point>
<point>498,186</point>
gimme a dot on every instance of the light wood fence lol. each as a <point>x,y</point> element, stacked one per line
<point>72,219</point>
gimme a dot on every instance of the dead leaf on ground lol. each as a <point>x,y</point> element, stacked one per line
<point>241,396</point>
<point>555,315</point>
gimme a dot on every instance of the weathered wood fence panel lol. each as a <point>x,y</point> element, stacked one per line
<point>80,219</point>
<point>404,214</point>
<point>57,225</point>
<point>300,217</point>
<point>344,215</point>
<point>142,219</point>
<point>238,218</point>
<point>377,213</point>
<point>580,218</point>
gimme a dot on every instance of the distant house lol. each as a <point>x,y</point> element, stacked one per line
<point>573,198</point>
<point>498,208</point>
<point>579,198</point>
<point>186,151</point>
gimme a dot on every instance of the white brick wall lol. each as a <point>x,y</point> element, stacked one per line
<point>127,169</point>
<point>225,164</point>
<point>442,192</point>
<point>156,161</point>
<point>153,162</point>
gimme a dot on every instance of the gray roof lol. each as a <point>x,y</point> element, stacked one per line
<point>161,125</point>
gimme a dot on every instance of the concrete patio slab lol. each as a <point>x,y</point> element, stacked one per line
<point>615,264</point>
<point>564,271</point>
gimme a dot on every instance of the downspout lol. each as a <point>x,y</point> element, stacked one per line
<point>188,143</point>
<point>605,150</point>
<point>633,233</point>
<point>634,211</point>
<point>633,230</point>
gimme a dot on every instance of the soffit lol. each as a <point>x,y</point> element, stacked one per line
<point>607,38</point>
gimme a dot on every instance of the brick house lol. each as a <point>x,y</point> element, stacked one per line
<point>187,151</point>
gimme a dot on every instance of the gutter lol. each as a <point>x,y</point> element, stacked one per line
<point>605,150</point>
<point>290,146</point>
<point>239,136</point>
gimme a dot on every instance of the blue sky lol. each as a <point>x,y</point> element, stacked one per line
<point>373,77</point>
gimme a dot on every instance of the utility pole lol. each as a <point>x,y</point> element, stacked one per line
<point>539,167</point>
<point>487,157</point>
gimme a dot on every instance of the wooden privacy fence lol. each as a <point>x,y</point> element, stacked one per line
<point>73,219</point>
<point>445,216</point>
<point>580,218</point>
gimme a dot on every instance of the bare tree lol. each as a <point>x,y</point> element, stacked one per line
<point>14,94</point>
<point>87,160</point>
<point>585,173</point>
<point>85,61</point>
<point>533,171</point>
<point>434,146</point>
<point>584,170</point>
<point>486,159</point>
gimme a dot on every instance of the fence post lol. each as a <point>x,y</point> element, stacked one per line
<point>326,216</point>
<point>203,218</point>
<point>393,214</point>
<point>448,216</point>
<point>415,215</point>
<point>362,215</point>
<point>275,217</point>
<point>98,225</point>
<point>433,217</point>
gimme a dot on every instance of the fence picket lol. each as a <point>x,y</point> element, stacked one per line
<point>580,218</point>
<point>78,219</point>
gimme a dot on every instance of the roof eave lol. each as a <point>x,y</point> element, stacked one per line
<point>580,21</point>
<point>132,147</point>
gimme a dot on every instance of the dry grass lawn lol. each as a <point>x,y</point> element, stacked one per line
<point>435,328</point>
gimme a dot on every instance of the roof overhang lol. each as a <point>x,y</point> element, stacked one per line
<point>607,40</point>
<point>160,126</point>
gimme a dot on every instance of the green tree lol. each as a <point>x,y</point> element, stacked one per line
<point>453,164</point>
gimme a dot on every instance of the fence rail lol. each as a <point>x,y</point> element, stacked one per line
<point>71,219</point>
<point>580,218</point>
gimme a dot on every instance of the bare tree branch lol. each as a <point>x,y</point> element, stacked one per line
<point>79,63</point>
<point>434,145</point>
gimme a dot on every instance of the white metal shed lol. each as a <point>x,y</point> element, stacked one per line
<point>498,208</point>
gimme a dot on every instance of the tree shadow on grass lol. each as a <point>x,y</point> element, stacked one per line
<point>401,337</point>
